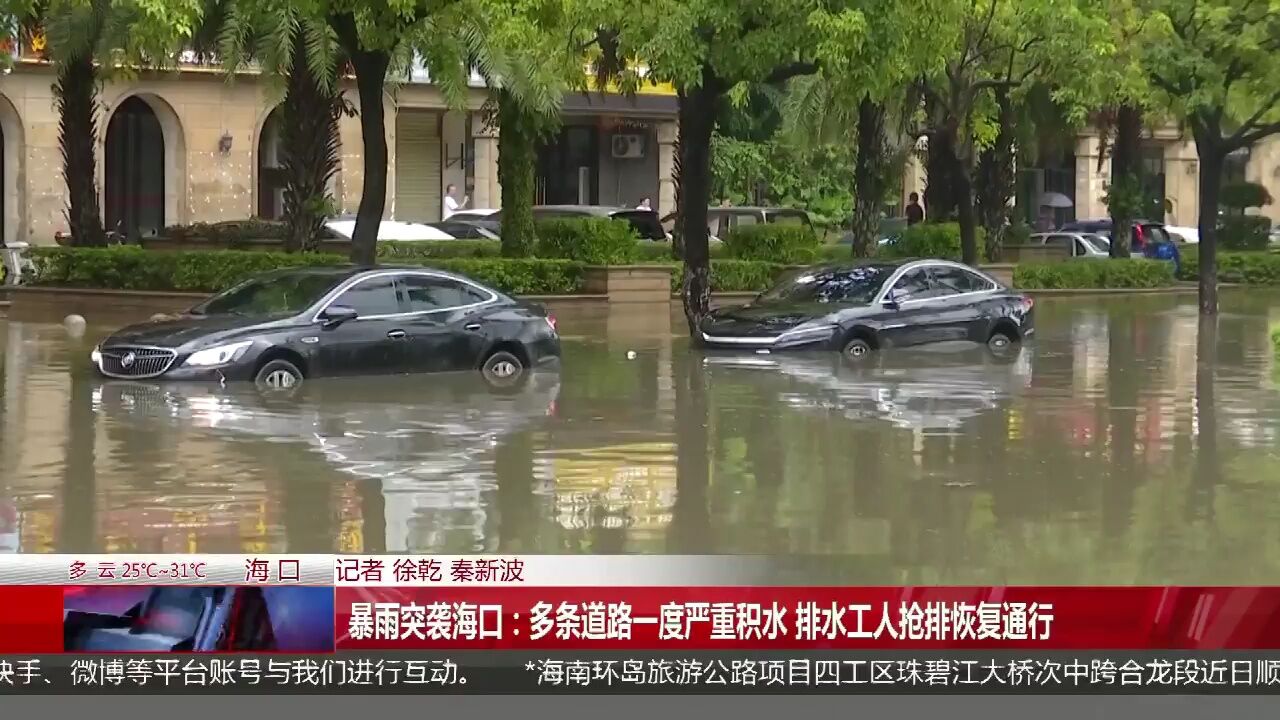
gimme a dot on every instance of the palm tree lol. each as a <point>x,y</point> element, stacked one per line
<point>76,33</point>
<point>304,56</point>
<point>814,111</point>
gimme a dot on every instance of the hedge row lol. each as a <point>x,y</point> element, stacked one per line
<point>132,268</point>
<point>1090,274</point>
<point>1244,268</point>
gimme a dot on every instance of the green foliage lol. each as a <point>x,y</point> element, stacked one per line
<point>1017,234</point>
<point>735,275</point>
<point>438,250</point>
<point>788,244</point>
<point>1243,195</point>
<point>1275,340</point>
<point>928,240</point>
<point>781,173</point>
<point>230,232</point>
<point>594,241</point>
<point>1091,274</point>
<point>1244,232</point>
<point>132,268</point>
<point>1242,268</point>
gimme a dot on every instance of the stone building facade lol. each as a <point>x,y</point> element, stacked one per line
<point>193,146</point>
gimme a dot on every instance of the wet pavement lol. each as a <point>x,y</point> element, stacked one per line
<point>1105,452</point>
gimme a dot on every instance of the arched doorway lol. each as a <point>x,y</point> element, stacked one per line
<point>12,191</point>
<point>134,171</point>
<point>270,175</point>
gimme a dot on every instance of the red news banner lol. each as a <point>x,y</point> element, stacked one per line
<point>677,603</point>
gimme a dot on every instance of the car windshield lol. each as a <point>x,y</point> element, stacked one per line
<point>271,295</point>
<point>854,286</point>
<point>1101,242</point>
<point>645,223</point>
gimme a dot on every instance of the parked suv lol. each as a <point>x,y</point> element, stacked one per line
<point>644,222</point>
<point>1141,232</point>
<point>720,220</point>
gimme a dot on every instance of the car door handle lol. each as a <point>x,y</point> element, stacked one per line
<point>472,326</point>
<point>395,334</point>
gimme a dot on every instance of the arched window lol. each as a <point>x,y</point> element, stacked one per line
<point>270,175</point>
<point>134,186</point>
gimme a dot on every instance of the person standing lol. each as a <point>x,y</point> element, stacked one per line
<point>644,205</point>
<point>451,203</point>
<point>915,213</point>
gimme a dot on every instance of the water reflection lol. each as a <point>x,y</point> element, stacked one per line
<point>1127,444</point>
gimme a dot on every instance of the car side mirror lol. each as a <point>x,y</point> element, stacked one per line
<point>335,315</point>
<point>893,300</point>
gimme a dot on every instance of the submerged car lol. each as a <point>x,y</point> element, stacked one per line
<point>859,308</point>
<point>281,327</point>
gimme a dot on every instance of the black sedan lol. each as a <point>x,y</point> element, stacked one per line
<point>859,308</point>
<point>281,327</point>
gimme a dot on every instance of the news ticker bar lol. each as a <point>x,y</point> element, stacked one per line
<point>390,570</point>
<point>626,674</point>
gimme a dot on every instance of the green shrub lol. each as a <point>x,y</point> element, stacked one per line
<point>133,268</point>
<point>1275,340</point>
<point>930,240</point>
<point>229,232</point>
<point>438,249</point>
<point>1089,274</point>
<point>734,275</point>
<point>1241,268</point>
<point>653,252</point>
<point>1244,194</point>
<point>594,241</point>
<point>791,244</point>
<point>1244,232</point>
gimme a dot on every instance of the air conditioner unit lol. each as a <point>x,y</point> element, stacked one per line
<point>628,146</point>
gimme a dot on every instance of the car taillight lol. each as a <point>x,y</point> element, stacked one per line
<point>551,322</point>
<point>1028,302</point>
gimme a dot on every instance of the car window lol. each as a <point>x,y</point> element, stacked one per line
<point>425,293</point>
<point>375,296</point>
<point>788,218</point>
<point>1155,233</point>
<point>271,295</point>
<point>645,223</point>
<point>745,219</point>
<point>914,285</point>
<point>1059,241</point>
<point>952,281</point>
<point>857,285</point>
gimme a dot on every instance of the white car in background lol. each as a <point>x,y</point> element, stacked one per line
<point>1187,235</point>
<point>474,214</point>
<point>389,230</point>
<point>1082,244</point>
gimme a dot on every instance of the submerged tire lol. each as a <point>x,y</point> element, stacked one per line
<point>278,376</point>
<point>503,369</point>
<point>856,349</point>
<point>1000,341</point>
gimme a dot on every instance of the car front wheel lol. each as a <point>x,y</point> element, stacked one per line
<point>278,375</point>
<point>856,349</point>
<point>503,369</point>
<point>1000,341</point>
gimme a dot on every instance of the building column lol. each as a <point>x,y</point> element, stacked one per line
<point>488,191</point>
<point>1182,183</point>
<point>667,134</point>
<point>1091,184</point>
<point>453,154</point>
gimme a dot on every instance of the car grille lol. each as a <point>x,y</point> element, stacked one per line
<point>135,362</point>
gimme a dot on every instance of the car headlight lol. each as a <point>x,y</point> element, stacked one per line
<point>96,356</point>
<point>220,355</point>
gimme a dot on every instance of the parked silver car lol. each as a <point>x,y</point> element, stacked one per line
<point>1082,245</point>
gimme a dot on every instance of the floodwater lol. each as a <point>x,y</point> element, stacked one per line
<point>1108,451</point>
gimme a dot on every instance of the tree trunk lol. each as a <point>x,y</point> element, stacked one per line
<point>940,193</point>
<point>995,179</point>
<point>517,158</point>
<point>371,76</point>
<point>309,144</point>
<point>1126,178</point>
<point>965,214</point>
<point>1211,160</point>
<point>76,90</point>
<point>869,176</point>
<point>697,122</point>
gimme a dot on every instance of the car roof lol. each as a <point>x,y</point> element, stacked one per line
<point>587,209</point>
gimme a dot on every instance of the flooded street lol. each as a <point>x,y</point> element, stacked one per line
<point>1101,453</point>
